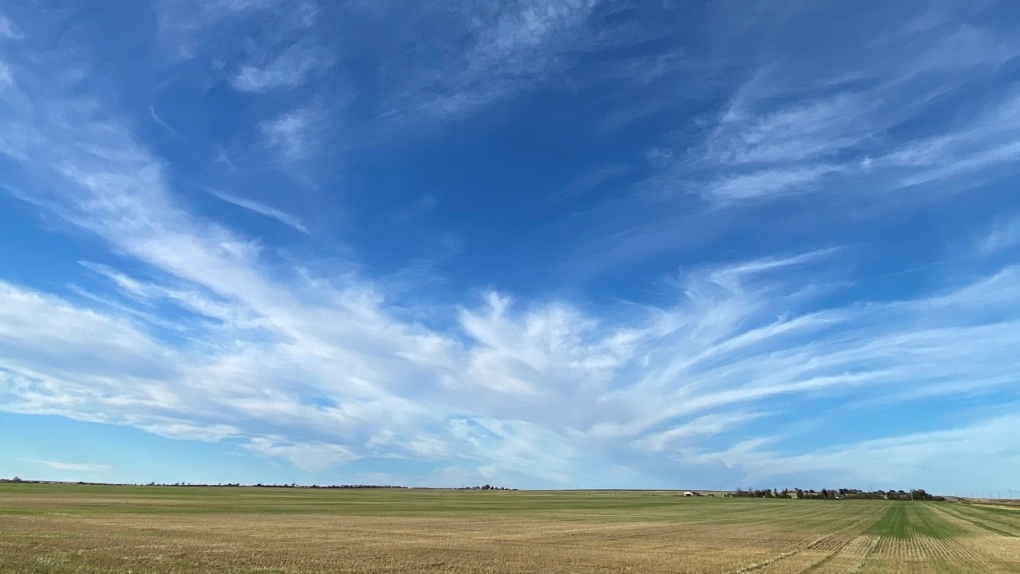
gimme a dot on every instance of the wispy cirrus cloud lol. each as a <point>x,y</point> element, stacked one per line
<point>295,135</point>
<point>1004,234</point>
<point>310,456</point>
<point>771,182</point>
<point>893,460</point>
<point>5,75</point>
<point>185,26</point>
<point>512,46</point>
<point>660,381</point>
<point>73,467</point>
<point>265,210</point>
<point>893,119</point>
<point>193,330</point>
<point>784,133</point>
<point>664,383</point>
<point>8,30</point>
<point>288,69</point>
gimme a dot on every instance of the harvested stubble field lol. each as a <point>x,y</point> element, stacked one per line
<point>92,529</point>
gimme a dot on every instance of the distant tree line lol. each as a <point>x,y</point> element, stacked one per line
<point>260,485</point>
<point>837,494</point>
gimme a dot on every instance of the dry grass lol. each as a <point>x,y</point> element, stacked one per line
<point>93,529</point>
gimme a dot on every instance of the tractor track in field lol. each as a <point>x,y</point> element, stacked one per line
<point>982,525</point>
<point>929,535</point>
<point>829,558</point>
<point>904,534</point>
<point>831,542</point>
<point>867,557</point>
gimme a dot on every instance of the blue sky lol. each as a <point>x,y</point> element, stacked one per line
<point>530,243</point>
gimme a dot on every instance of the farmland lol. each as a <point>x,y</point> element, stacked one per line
<point>96,529</point>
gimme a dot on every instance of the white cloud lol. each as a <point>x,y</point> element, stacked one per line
<point>985,143</point>
<point>795,127</point>
<point>187,26</point>
<point>510,447</point>
<point>536,383</point>
<point>768,183</point>
<point>8,30</point>
<point>5,76</point>
<point>688,432</point>
<point>1003,235</point>
<point>73,467</point>
<point>289,69</point>
<point>263,209</point>
<point>801,131</point>
<point>529,23</point>
<point>295,135</point>
<point>873,126</point>
<point>159,121</point>
<point>66,338</point>
<point>657,382</point>
<point>308,456</point>
<point>319,370</point>
<point>487,53</point>
<point>987,447</point>
<point>179,430</point>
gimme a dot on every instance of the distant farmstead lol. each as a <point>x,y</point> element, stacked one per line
<point>691,493</point>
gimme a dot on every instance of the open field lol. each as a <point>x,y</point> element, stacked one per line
<point>93,529</point>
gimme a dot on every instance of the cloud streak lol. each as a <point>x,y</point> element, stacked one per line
<point>289,69</point>
<point>295,135</point>
<point>894,460</point>
<point>73,467</point>
<point>774,140</point>
<point>265,210</point>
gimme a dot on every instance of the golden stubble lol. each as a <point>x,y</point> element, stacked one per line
<point>643,533</point>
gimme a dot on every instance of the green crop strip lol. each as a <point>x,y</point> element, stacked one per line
<point>907,519</point>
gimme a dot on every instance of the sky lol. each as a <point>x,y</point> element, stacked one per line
<point>527,243</point>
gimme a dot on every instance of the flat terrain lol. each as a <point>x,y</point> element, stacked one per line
<point>91,529</point>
